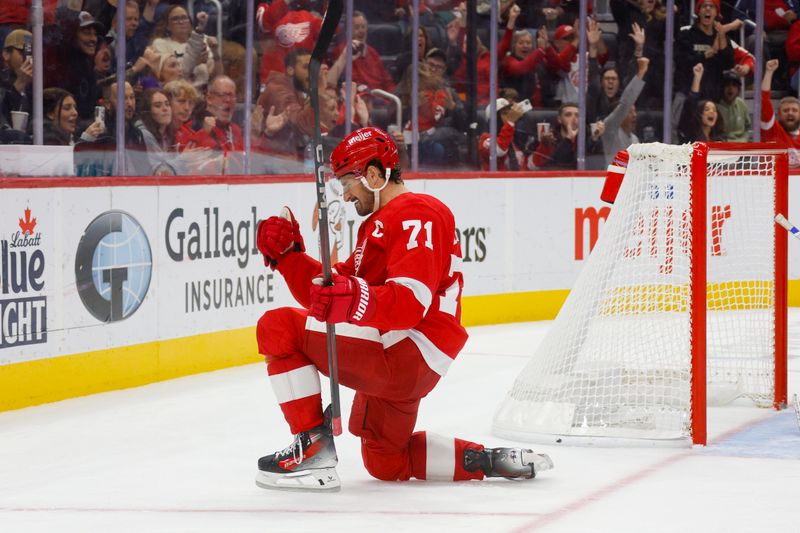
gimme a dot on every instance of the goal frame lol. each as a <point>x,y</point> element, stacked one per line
<point>699,254</point>
<point>544,421</point>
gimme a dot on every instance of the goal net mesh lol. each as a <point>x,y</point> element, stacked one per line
<point>617,360</point>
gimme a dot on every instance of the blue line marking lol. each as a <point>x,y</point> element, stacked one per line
<point>778,437</point>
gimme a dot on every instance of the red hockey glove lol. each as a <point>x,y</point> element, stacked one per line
<point>278,236</point>
<point>347,299</point>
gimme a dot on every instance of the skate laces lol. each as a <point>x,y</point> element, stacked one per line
<point>296,448</point>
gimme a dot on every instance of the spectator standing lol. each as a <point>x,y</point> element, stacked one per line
<point>620,124</point>
<point>403,60</point>
<point>518,69</point>
<point>733,110</point>
<point>786,128</point>
<point>368,68</point>
<point>700,121</point>
<point>174,36</point>
<point>73,68</point>
<point>289,118</point>
<point>285,30</point>
<point>704,42</point>
<point>484,60</point>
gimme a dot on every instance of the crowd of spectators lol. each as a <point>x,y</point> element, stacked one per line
<point>184,82</point>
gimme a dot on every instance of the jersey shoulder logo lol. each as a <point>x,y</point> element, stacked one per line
<point>290,34</point>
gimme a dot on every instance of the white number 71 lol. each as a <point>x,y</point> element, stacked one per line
<point>416,226</point>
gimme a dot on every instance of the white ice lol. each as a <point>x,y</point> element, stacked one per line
<point>181,456</point>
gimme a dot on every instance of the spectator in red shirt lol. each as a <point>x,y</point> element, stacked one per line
<point>218,132</point>
<point>518,69</point>
<point>510,156</point>
<point>368,68</point>
<point>183,98</point>
<point>285,30</point>
<point>778,15</point>
<point>785,130</point>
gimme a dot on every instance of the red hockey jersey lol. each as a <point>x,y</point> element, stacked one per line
<point>408,252</point>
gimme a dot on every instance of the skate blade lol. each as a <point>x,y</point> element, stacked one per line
<point>311,480</point>
<point>541,462</point>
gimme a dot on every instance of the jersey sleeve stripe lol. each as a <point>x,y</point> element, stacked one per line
<point>421,292</point>
<point>768,125</point>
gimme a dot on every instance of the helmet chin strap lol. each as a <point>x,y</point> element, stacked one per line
<point>376,192</point>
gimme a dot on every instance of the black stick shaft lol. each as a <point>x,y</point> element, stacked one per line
<point>329,24</point>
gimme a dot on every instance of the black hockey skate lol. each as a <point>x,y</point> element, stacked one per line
<point>510,463</point>
<point>308,464</point>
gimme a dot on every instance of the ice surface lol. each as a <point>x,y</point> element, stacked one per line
<point>181,456</point>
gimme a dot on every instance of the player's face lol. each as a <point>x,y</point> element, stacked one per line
<point>789,116</point>
<point>354,191</point>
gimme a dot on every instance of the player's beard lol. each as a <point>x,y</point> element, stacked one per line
<point>365,206</point>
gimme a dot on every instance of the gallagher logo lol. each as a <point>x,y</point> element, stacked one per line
<point>23,307</point>
<point>113,264</point>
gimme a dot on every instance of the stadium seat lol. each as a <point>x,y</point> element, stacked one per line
<point>387,39</point>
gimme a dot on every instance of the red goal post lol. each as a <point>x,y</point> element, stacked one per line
<point>672,311</point>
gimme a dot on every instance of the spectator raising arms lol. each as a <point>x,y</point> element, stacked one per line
<point>174,37</point>
<point>620,124</point>
<point>518,69</point>
<point>509,156</point>
<point>785,130</point>
<point>700,121</point>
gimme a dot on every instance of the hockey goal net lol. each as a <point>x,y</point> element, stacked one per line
<point>672,311</point>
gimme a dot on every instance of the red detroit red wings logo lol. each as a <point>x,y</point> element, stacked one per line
<point>290,34</point>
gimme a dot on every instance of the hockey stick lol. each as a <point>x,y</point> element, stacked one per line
<point>785,224</point>
<point>329,24</point>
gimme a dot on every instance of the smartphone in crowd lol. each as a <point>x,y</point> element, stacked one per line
<point>525,105</point>
<point>100,114</point>
<point>27,47</point>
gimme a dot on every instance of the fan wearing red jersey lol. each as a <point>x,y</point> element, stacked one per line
<point>786,129</point>
<point>396,302</point>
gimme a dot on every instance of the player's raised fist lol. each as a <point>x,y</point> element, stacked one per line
<point>278,236</point>
<point>346,299</point>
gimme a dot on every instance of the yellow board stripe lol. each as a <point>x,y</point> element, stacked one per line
<point>59,378</point>
<point>49,380</point>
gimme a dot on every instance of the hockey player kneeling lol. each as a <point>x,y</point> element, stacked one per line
<point>397,303</point>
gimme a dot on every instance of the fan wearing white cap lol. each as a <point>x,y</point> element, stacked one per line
<point>509,156</point>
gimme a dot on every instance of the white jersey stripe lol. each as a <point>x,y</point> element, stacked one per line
<point>437,360</point>
<point>346,330</point>
<point>295,384</point>
<point>767,125</point>
<point>421,292</point>
<point>440,457</point>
